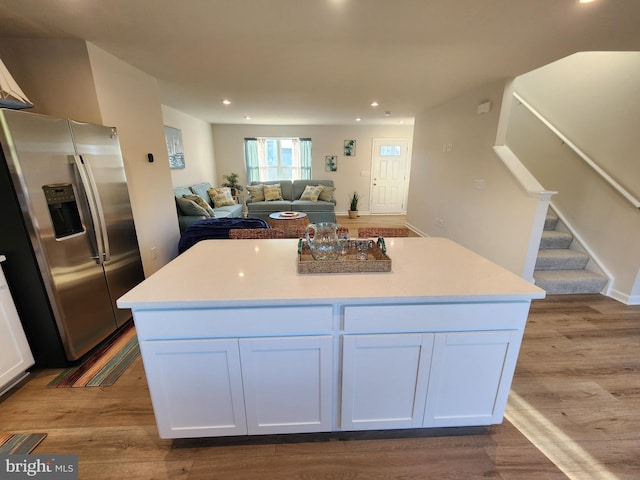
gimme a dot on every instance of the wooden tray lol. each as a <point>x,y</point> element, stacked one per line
<point>377,261</point>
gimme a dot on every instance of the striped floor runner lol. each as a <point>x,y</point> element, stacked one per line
<point>104,366</point>
<point>19,443</point>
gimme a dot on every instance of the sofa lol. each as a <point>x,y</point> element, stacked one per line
<point>318,210</point>
<point>191,209</point>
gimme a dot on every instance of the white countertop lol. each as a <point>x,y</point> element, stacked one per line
<point>264,272</point>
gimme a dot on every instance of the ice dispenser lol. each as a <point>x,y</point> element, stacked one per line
<point>63,209</point>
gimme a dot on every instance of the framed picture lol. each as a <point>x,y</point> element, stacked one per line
<point>349,148</point>
<point>331,163</point>
<point>175,150</point>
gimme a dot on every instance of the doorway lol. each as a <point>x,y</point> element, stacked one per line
<point>389,175</point>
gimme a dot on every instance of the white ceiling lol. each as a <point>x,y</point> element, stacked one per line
<point>324,61</point>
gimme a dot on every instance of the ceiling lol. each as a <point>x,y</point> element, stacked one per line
<point>324,61</point>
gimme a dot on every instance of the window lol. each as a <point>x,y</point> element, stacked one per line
<point>277,158</point>
<point>390,150</point>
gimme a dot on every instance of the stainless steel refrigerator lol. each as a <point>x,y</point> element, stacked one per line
<point>67,230</point>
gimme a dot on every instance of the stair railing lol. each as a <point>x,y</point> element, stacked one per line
<point>604,175</point>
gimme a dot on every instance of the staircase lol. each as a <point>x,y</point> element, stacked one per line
<point>560,269</point>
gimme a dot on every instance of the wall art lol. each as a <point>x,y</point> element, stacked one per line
<point>331,163</point>
<point>173,136</point>
<point>349,148</point>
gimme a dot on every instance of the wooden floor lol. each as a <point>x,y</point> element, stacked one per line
<point>576,394</point>
<point>372,220</point>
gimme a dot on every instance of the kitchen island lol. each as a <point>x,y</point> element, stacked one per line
<point>234,341</point>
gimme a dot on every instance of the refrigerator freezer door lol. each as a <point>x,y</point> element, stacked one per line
<point>99,148</point>
<point>39,153</point>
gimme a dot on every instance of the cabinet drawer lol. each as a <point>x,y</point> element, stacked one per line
<point>435,317</point>
<point>233,322</point>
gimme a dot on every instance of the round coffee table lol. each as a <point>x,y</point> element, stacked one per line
<point>289,222</point>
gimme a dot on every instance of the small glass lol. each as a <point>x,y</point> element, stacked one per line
<point>362,249</point>
<point>344,247</point>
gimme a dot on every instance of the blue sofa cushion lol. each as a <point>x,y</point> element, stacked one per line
<point>234,210</point>
<point>201,189</point>
<point>309,206</point>
<point>273,206</point>
<point>181,191</point>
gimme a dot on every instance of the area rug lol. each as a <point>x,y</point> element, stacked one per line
<point>19,443</point>
<point>105,365</point>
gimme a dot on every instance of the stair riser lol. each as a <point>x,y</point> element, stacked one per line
<point>561,264</point>
<point>554,242</point>
<point>551,223</point>
<point>568,288</point>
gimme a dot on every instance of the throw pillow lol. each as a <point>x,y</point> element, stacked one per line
<point>311,193</point>
<point>327,194</point>
<point>221,197</point>
<point>200,201</point>
<point>272,192</point>
<point>189,207</point>
<point>256,192</point>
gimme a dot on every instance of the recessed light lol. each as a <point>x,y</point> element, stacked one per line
<point>226,102</point>
<point>358,119</point>
<point>247,117</point>
<point>387,113</point>
<point>374,104</point>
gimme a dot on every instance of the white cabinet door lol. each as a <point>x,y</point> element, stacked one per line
<point>470,378</point>
<point>15,354</point>
<point>196,387</point>
<point>288,384</point>
<point>384,380</point>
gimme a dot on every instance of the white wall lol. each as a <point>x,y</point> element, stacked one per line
<point>592,98</point>
<point>129,99</point>
<point>354,173</point>
<point>55,75</point>
<point>197,141</point>
<point>467,194</point>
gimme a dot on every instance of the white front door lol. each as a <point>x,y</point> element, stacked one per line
<point>389,175</point>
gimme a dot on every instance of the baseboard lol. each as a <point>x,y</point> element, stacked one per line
<point>415,229</point>
<point>623,297</point>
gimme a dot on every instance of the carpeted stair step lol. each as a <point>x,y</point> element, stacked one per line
<point>551,220</point>
<point>561,259</point>
<point>569,281</point>
<point>555,239</point>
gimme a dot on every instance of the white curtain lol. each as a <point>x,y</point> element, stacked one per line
<point>262,159</point>
<point>305,158</point>
<point>251,159</point>
<point>295,160</point>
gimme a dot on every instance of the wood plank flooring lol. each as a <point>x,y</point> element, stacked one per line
<point>578,376</point>
<point>372,220</point>
<point>577,383</point>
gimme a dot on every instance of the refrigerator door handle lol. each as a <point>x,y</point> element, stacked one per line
<point>94,207</point>
<point>101,221</point>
